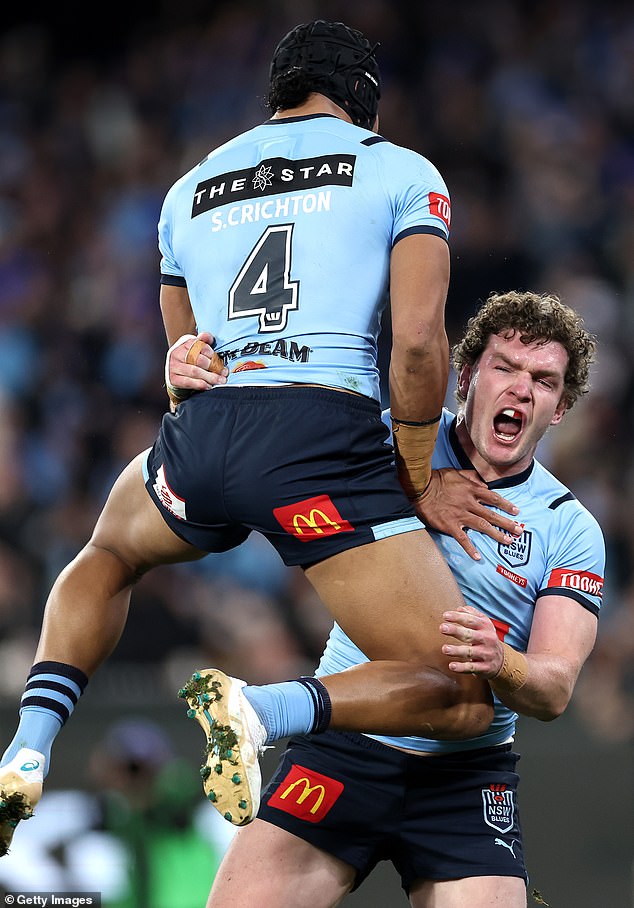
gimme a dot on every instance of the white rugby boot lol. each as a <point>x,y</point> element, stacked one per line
<point>235,738</point>
<point>20,789</point>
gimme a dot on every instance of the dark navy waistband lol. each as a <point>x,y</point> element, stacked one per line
<point>371,744</point>
<point>296,393</point>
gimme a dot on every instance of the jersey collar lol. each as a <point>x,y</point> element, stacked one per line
<point>465,463</point>
<point>313,116</point>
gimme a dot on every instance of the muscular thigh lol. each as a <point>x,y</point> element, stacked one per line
<point>267,866</point>
<point>131,525</point>
<point>389,596</point>
<point>476,892</point>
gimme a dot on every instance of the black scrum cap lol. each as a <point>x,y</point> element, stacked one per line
<point>341,63</point>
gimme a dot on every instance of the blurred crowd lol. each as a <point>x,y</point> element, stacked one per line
<point>527,109</point>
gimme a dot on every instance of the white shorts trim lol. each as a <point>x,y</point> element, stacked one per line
<point>146,472</point>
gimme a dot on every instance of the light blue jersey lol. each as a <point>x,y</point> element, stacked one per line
<point>561,552</point>
<point>283,236</point>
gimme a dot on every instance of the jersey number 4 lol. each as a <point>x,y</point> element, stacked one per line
<point>263,286</point>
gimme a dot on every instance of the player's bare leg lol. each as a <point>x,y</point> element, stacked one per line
<point>477,892</point>
<point>268,866</point>
<point>87,608</point>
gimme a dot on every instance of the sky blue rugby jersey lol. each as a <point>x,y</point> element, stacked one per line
<point>561,552</point>
<point>282,237</point>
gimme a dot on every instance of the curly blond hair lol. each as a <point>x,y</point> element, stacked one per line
<point>537,317</point>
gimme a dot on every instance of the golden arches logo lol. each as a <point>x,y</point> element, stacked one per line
<point>308,790</point>
<point>310,521</point>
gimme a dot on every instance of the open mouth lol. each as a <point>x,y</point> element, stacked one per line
<point>507,425</point>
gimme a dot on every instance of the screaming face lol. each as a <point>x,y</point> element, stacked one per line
<point>514,392</point>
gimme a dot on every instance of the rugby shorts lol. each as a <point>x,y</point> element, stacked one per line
<point>435,817</point>
<point>309,468</point>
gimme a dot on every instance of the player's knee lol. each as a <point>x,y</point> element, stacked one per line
<point>464,705</point>
<point>469,719</point>
<point>113,561</point>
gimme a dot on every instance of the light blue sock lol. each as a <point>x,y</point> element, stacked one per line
<point>51,692</point>
<point>37,730</point>
<point>284,709</point>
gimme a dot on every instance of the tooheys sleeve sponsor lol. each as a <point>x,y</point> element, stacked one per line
<point>581,581</point>
<point>585,586</point>
<point>273,176</point>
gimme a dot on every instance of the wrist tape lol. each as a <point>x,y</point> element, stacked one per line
<point>414,444</point>
<point>513,672</point>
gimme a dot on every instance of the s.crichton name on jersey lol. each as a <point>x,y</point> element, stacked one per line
<point>285,207</point>
<point>273,177</point>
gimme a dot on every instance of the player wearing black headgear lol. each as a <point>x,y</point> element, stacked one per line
<point>332,59</point>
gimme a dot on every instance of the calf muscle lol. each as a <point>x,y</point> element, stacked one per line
<point>406,698</point>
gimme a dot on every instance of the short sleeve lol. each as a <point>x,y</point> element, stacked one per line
<point>576,566</point>
<point>422,202</point>
<point>169,264</point>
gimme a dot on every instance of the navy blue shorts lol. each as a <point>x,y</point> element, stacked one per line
<point>439,817</point>
<point>309,468</point>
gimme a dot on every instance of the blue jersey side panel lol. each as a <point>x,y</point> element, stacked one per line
<point>283,238</point>
<point>560,552</point>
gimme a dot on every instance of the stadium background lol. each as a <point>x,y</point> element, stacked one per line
<point>527,108</point>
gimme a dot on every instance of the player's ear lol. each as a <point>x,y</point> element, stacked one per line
<point>464,380</point>
<point>562,406</point>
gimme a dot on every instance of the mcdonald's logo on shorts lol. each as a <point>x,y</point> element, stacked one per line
<point>312,519</point>
<point>306,794</point>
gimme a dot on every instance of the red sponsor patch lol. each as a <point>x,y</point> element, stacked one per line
<point>306,794</point>
<point>312,519</point>
<point>581,581</point>
<point>510,575</point>
<point>440,206</point>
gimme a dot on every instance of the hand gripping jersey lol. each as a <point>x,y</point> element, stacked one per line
<point>282,237</point>
<point>561,552</point>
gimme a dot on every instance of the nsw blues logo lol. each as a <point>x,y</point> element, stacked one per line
<point>517,552</point>
<point>499,807</point>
